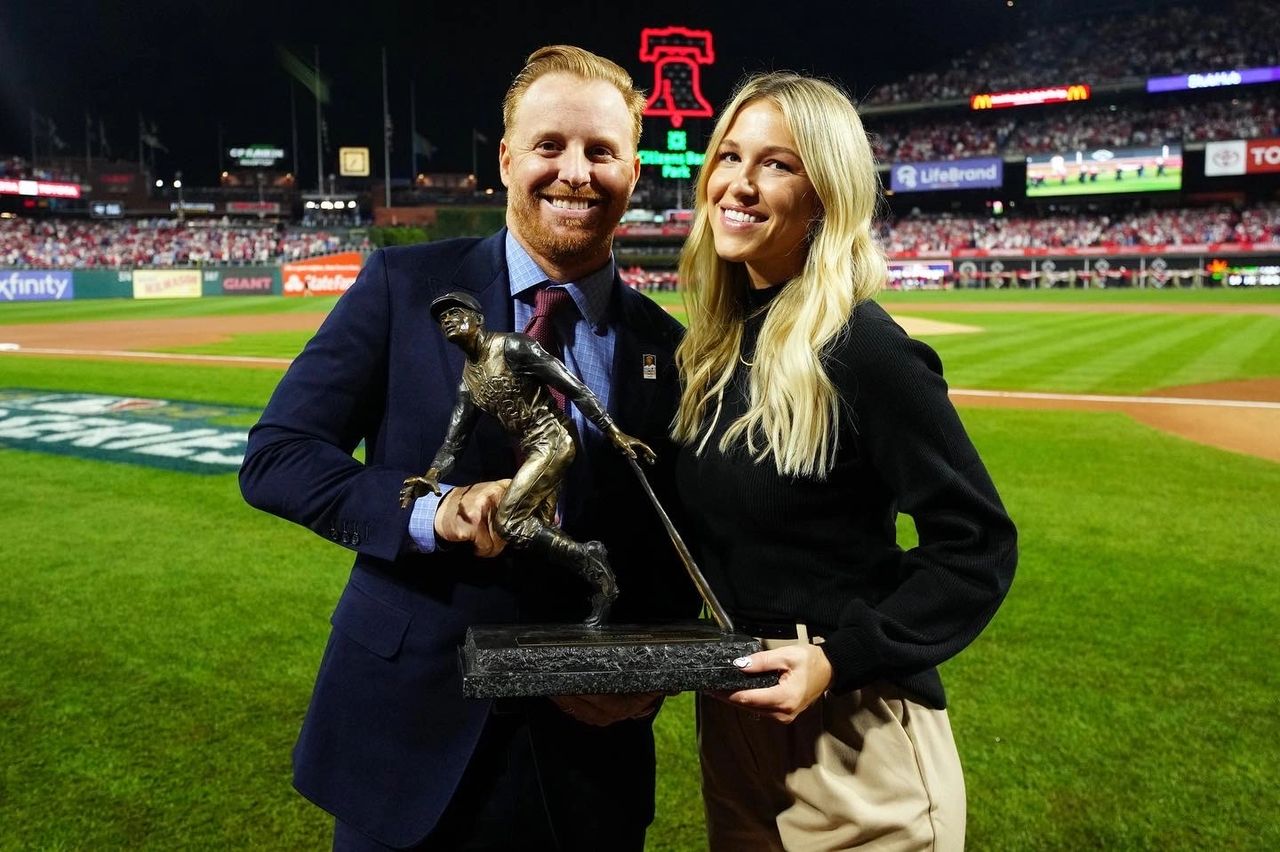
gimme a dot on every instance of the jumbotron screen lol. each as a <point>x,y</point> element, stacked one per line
<point>1105,170</point>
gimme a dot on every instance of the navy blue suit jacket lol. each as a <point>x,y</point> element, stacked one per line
<point>388,733</point>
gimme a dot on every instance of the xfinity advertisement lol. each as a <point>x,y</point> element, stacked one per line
<point>976,173</point>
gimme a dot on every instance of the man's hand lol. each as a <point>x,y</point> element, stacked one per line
<point>601,710</point>
<point>416,486</point>
<point>631,447</point>
<point>467,514</point>
<point>805,675</point>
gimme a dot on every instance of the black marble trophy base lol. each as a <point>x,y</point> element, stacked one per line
<point>514,660</point>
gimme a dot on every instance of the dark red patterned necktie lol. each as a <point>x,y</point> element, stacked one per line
<point>542,328</point>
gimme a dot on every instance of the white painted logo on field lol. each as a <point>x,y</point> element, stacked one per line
<point>152,432</point>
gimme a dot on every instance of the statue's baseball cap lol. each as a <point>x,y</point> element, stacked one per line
<point>453,300</point>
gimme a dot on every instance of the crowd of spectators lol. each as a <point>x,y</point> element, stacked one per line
<point>649,280</point>
<point>948,232</point>
<point>19,168</point>
<point>69,244</point>
<point>1117,46</point>
<point>1076,127</point>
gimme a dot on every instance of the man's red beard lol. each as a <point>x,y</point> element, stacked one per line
<point>572,238</point>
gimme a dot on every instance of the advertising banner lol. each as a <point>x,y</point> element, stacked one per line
<point>269,208</point>
<point>1214,79</point>
<point>43,188</point>
<point>1242,157</point>
<point>322,276</point>
<point>242,281</point>
<point>35,285</point>
<point>975,173</point>
<point>166,284</point>
<point>1031,97</point>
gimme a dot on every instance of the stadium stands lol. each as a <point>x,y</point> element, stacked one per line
<point>71,244</point>
<point>1076,126</point>
<point>924,232</point>
<point>1113,47</point>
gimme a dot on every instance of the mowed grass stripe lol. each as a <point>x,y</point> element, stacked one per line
<point>1103,353</point>
<point>1129,365</point>
<point>1021,359</point>
<point>1250,348</point>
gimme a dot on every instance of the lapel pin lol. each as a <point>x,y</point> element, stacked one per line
<point>650,367</point>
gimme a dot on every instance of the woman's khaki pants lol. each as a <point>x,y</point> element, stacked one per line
<point>868,770</point>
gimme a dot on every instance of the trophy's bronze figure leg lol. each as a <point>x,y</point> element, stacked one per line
<point>526,519</point>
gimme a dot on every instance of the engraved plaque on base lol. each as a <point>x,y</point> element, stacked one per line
<point>514,660</point>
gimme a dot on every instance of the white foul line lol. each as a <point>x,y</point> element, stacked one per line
<point>1117,400</point>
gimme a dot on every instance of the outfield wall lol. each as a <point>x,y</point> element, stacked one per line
<point>313,276</point>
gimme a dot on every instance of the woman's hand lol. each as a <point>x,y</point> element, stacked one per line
<point>805,675</point>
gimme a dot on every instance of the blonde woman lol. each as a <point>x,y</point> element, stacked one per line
<point>808,421</point>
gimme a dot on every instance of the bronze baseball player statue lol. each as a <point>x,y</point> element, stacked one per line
<point>508,375</point>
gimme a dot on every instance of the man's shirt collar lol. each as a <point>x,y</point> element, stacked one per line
<point>590,294</point>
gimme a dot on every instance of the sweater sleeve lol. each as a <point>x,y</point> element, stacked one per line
<point>911,438</point>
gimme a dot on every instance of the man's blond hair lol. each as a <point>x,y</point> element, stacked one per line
<point>567,59</point>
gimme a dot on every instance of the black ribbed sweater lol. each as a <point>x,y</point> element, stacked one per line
<point>823,552</point>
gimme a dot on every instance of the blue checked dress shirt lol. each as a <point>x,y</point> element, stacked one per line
<point>589,340</point>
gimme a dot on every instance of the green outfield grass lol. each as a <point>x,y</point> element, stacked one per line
<point>161,637</point>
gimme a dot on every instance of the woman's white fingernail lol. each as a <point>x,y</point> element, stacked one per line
<point>742,662</point>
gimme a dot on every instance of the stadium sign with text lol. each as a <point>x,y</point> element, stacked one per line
<point>257,156</point>
<point>1214,79</point>
<point>166,284</point>
<point>1241,157</point>
<point>677,54</point>
<point>328,275</point>
<point>1031,97</point>
<point>676,161</point>
<point>975,173</point>
<point>41,188</point>
<point>35,285</point>
<point>151,432</point>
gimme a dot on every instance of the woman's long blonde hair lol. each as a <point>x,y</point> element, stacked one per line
<point>793,408</point>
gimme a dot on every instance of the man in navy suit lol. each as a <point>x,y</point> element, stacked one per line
<point>389,745</point>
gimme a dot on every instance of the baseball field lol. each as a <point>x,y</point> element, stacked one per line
<point>158,638</point>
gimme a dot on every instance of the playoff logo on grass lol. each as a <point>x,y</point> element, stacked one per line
<point>151,432</point>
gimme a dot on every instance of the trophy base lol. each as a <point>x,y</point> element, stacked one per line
<point>526,660</point>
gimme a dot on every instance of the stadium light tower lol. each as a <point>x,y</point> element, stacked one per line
<point>177,184</point>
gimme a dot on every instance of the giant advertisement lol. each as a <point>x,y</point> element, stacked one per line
<point>975,173</point>
<point>1242,157</point>
<point>322,276</point>
<point>166,284</point>
<point>241,280</point>
<point>1105,171</point>
<point>35,285</point>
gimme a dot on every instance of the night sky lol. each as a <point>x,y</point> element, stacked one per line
<point>191,68</point>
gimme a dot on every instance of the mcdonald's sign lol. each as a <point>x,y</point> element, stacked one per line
<point>1031,97</point>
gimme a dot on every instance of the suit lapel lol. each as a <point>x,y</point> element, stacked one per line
<point>631,395</point>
